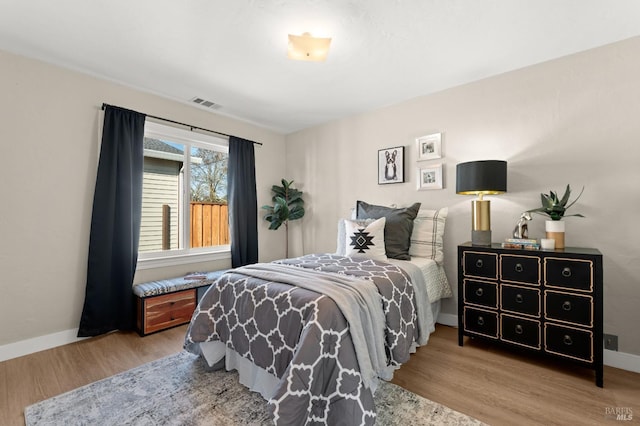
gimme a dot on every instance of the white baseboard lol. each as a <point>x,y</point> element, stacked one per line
<point>37,344</point>
<point>622,360</point>
<point>448,319</point>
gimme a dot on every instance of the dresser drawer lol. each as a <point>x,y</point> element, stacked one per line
<point>520,299</point>
<point>566,307</point>
<point>481,322</point>
<point>569,273</point>
<point>520,269</point>
<point>168,310</point>
<point>481,265</point>
<point>568,342</point>
<point>481,293</point>
<point>520,331</point>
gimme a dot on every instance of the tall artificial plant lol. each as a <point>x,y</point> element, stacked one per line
<point>287,205</point>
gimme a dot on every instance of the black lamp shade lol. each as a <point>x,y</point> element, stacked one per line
<point>481,177</point>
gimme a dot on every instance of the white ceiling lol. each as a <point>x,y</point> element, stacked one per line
<point>233,52</point>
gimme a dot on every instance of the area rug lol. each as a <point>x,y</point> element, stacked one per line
<point>177,390</point>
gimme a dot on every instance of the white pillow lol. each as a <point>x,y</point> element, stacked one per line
<point>365,240</point>
<point>341,239</point>
<point>427,236</point>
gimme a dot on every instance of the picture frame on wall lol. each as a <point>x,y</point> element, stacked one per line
<point>391,165</point>
<point>430,177</point>
<point>429,146</point>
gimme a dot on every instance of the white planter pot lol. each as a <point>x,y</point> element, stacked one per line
<point>555,231</point>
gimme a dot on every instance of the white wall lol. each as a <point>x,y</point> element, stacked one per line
<point>575,120</point>
<point>48,158</point>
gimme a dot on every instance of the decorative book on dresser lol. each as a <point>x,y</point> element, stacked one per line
<point>547,301</point>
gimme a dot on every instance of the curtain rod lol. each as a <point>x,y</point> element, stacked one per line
<point>104,105</point>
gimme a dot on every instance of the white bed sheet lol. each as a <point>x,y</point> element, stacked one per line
<point>433,273</point>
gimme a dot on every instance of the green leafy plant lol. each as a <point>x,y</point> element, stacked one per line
<point>555,207</point>
<point>287,205</point>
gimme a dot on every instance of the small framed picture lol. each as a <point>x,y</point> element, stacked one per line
<point>429,147</point>
<point>430,177</point>
<point>391,165</point>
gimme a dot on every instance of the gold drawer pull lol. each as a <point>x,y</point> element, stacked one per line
<point>519,267</point>
<point>566,305</point>
<point>566,272</point>
<point>519,329</point>
<point>480,321</point>
<point>479,292</point>
<point>479,263</point>
<point>519,298</point>
<point>567,340</point>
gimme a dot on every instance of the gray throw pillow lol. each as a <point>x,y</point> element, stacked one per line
<point>398,229</point>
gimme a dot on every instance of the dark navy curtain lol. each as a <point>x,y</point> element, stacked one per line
<point>243,202</point>
<point>115,225</point>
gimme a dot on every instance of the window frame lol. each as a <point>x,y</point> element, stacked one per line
<point>185,255</point>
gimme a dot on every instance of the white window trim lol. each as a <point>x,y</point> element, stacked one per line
<point>175,259</point>
<point>180,135</point>
<point>161,259</point>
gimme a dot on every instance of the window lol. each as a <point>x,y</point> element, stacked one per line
<point>184,196</point>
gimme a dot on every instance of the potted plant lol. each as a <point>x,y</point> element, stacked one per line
<point>555,208</point>
<point>287,205</point>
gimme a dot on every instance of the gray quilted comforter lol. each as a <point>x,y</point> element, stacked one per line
<point>292,326</point>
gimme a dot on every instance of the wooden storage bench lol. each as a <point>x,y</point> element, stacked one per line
<point>168,303</point>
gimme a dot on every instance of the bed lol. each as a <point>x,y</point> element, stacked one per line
<point>314,334</point>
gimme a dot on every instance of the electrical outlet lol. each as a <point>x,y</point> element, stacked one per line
<point>610,342</point>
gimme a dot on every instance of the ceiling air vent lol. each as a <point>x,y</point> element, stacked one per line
<point>205,103</point>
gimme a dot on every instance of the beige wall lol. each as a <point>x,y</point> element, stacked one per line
<point>574,120</point>
<point>48,157</point>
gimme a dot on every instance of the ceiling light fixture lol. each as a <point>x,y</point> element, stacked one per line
<point>307,48</point>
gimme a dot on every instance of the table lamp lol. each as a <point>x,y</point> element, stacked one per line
<point>487,177</point>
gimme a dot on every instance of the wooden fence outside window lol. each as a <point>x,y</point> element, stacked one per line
<point>209,224</point>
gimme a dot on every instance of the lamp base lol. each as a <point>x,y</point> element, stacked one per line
<point>481,238</point>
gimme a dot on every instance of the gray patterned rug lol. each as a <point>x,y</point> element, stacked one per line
<point>177,390</point>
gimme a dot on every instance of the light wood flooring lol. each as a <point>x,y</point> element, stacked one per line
<point>491,384</point>
<point>502,387</point>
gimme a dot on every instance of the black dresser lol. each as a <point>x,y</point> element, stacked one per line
<point>547,301</point>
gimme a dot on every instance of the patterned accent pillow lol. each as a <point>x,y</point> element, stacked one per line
<point>365,240</point>
<point>427,238</point>
<point>397,233</point>
<point>341,247</point>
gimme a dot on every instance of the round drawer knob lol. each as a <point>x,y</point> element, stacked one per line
<point>519,298</point>
<point>479,292</point>
<point>567,340</point>
<point>519,267</point>
<point>566,272</point>
<point>480,321</point>
<point>479,263</point>
<point>519,329</point>
<point>566,305</point>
